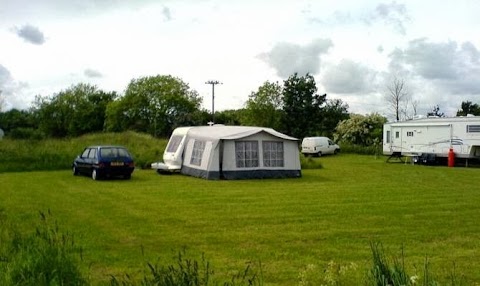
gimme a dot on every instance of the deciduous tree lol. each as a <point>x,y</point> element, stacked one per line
<point>397,98</point>
<point>334,111</point>
<point>468,108</point>
<point>302,106</point>
<point>264,107</point>
<point>19,124</point>
<point>155,105</point>
<point>75,111</point>
<point>360,130</point>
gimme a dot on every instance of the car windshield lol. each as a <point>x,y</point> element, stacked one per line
<point>113,152</point>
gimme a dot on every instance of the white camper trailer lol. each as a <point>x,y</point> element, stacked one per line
<point>231,152</point>
<point>433,136</point>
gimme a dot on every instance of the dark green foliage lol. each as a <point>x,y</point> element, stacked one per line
<point>45,257</point>
<point>373,149</point>
<point>468,108</point>
<point>155,105</point>
<point>265,107</point>
<point>302,106</point>
<point>228,117</point>
<point>334,111</point>
<point>308,162</point>
<point>78,110</point>
<point>19,124</point>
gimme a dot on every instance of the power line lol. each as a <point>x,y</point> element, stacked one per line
<point>213,83</point>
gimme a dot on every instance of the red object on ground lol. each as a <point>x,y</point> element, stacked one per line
<point>451,158</point>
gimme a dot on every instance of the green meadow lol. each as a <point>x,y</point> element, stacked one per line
<point>286,229</point>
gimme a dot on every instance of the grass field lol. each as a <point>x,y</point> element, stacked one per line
<point>330,214</point>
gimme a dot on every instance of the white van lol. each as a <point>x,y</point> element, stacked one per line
<point>319,146</point>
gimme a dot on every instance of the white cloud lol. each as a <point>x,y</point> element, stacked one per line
<point>451,66</point>
<point>11,90</point>
<point>288,58</point>
<point>349,77</point>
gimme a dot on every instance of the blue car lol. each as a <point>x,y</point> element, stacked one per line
<point>104,162</point>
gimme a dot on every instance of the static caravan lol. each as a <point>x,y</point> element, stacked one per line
<point>433,136</point>
<point>231,152</point>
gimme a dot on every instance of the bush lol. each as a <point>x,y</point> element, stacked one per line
<point>26,133</point>
<point>308,162</point>
<point>362,150</point>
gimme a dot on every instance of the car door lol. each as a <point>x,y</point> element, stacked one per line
<point>331,147</point>
<point>86,160</point>
<point>81,163</point>
<point>91,160</point>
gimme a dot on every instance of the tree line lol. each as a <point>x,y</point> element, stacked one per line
<point>158,104</point>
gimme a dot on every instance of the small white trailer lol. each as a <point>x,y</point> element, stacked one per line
<point>433,137</point>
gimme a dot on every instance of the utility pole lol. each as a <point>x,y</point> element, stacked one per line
<point>213,83</point>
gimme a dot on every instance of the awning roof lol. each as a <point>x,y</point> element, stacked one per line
<point>220,132</point>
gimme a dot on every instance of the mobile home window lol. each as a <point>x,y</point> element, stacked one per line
<point>397,134</point>
<point>473,128</point>
<point>197,152</point>
<point>388,136</point>
<point>174,143</point>
<point>272,154</point>
<point>246,154</point>
<point>409,133</point>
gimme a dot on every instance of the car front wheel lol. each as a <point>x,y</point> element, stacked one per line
<point>75,171</point>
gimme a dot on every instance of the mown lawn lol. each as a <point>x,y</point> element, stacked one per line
<point>330,214</point>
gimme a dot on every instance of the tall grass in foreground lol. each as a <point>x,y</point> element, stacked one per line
<point>45,257</point>
<point>51,257</point>
<point>393,272</point>
<point>186,272</point>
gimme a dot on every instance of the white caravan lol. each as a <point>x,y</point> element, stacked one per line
<point>319,146</point>
<point>433,136</point>
<point>231,152</point>
<point>173,154</point>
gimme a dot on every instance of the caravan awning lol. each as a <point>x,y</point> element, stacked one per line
<point>219,132</point>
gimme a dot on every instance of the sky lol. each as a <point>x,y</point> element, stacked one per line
<point>354,49</point>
